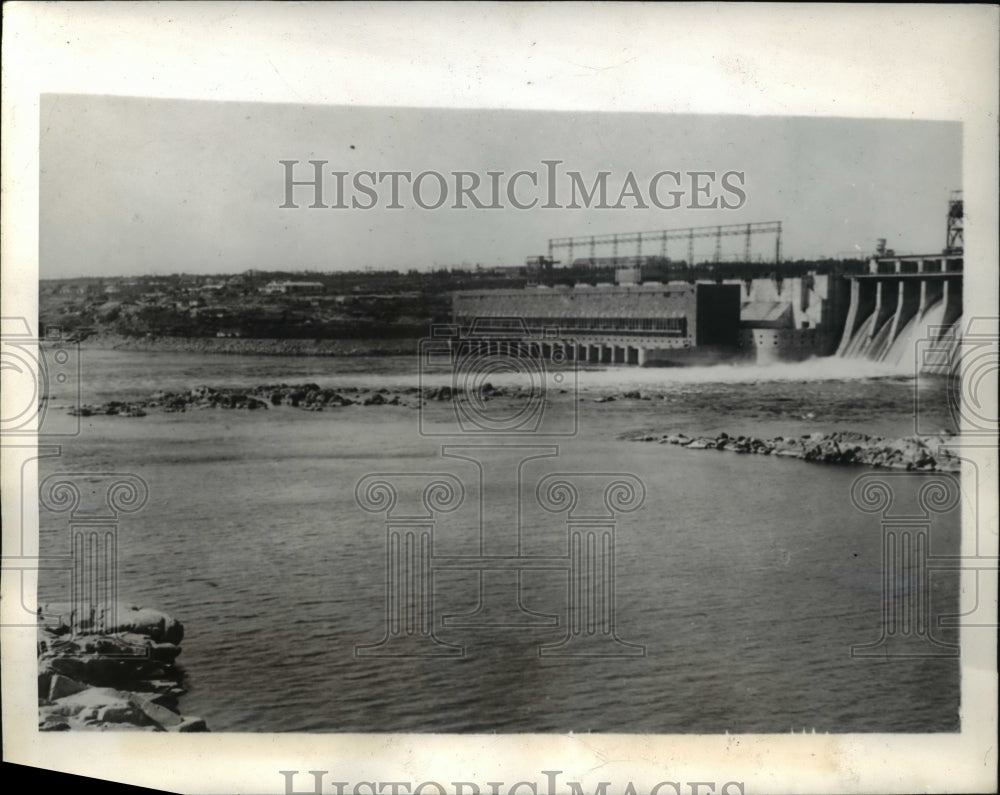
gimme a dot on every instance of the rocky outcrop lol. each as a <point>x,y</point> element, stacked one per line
<point>112,409</point>
<point>110,670</point>
<point>911,453</point>
<point>309,397</point>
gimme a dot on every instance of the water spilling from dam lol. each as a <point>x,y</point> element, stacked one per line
<point>906,312</point>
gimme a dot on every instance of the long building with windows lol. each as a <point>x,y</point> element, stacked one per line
<point>624,323</point>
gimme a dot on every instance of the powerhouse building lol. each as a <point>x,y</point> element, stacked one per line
<point>623,323</point>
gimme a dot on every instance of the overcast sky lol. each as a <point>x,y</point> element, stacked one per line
<point>139,186</point>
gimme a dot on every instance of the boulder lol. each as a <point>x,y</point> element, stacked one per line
<point>157,625</point>
<point>58,617</point>
<point>44,680</point>
<point>123,714</point>
<point>62,686</point>
<point>163,652</point>
<point>190,724</point>
<point>53,724</point>
<point>90,698</point>
<point>160,715</point>
<point>101,670</point>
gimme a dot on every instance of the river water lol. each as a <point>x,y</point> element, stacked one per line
<point>747,579</point>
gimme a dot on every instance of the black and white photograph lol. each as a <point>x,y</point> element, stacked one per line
<point>357,431</point>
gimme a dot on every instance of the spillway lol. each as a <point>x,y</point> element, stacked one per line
<point>904,304</point>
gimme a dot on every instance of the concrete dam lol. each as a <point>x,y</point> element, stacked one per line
<point>901,302</point>
<point>879,314</point>
<point>716,311</point>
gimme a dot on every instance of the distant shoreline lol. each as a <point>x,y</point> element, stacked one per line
<point>247,346</point>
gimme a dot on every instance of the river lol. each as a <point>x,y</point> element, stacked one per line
<point>747,579</point>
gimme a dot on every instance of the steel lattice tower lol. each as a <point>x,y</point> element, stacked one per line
<point>955,242</point>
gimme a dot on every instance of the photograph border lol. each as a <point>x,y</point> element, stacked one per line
<point>921,62</point>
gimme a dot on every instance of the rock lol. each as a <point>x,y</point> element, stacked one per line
<point>62,686</point>
<point>125,618</point>
<point>914,454</point>
<point>305,396</point>
<point>166,688</point>
<point>44,680</point>
<point>439,393</point>
<point>190,724</point>
<point>123,714</point>
<point>110,682</point>
<point>53,724</point>
<point>158,626</point>
<point>95,669</point>
<point>92,698</point>
<point>156,713</point>
<point>163,652</point>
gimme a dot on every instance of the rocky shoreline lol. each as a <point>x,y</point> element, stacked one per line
<point>911,453</point>
<point>308,397</point>
<point>110,674</point>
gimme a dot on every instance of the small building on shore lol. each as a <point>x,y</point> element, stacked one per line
<point>293,288</point>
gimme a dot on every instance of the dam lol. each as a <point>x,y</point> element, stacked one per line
<point>751,310</point>
<point>900,302</point>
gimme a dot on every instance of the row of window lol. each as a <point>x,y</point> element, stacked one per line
<point>612,323</point>
<point>670,325</point>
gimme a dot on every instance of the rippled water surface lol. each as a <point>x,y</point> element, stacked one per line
<point>746,578</point>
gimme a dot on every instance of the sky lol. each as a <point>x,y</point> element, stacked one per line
<point>132,186</point>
